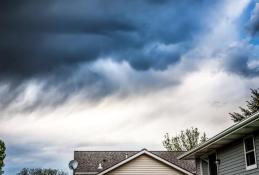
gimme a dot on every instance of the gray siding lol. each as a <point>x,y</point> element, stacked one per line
<point>232,159</point>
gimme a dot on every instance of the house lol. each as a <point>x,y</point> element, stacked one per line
<point>142,162</point>
<point>234,151</point>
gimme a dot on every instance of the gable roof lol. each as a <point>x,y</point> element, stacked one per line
<point>233,133</point>
<point>149,154</point>
<point>88,160</point>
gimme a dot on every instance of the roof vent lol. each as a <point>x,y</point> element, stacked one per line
<point>126,155</point>
<point>100,167</point>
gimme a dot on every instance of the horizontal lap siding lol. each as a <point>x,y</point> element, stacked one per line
<point>144,165</point>
<point>232,159</point>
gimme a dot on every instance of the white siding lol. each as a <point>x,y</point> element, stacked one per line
<point>145,165</point>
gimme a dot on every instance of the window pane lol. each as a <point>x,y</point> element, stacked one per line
<point>250,158</point>
<point>249,144</point>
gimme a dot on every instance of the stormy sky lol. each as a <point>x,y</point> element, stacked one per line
<point>118,75</point>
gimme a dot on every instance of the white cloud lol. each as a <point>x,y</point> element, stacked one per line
<point>203,99</point>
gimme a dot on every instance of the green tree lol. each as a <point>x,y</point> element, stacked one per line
<point>252,107</point>
<point>40,171</point>
<point>2,156</point>
<point>185,141</point>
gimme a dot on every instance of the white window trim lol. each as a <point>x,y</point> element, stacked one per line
<point>251,167</point>
<point>201,167</point>
<point>204,161</point>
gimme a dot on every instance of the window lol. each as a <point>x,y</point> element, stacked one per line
<point>250,153</point>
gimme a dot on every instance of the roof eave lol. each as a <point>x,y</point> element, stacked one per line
<point>221,135</point>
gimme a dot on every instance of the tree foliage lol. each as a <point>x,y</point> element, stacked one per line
<point>2,156</point>
<point>40,171</point>
<point>252,107</point>
<point>185,141</point>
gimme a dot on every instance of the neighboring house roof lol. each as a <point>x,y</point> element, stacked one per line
<point>227,136</point>
<point>88,160</point>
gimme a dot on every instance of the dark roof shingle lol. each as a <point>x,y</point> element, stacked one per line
<point>88,160</point>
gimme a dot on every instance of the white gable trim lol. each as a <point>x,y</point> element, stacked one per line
<point>90,173</point>
<point>149,154</point>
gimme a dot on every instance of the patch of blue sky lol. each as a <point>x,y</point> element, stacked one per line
<point>254,40</point>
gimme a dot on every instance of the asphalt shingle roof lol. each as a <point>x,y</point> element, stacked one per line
<point>88,160</point>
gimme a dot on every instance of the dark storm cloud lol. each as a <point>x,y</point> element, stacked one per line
<point>55,90</point>
<point>241,60</point>
<point>49,40</point>
<point>253,24</point>
<point>238,64</point>
<point>38,37</point>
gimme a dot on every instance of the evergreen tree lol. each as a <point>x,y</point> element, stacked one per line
<point>2,156</point>
<point>185,141</point>
<point>251,108</point>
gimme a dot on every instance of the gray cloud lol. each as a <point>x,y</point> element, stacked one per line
<point>40,37</point>
<point>253,24</point>
<point>90,84</point>
<point>48,40</point>
<point>34,155</point>
<point>242,60</point>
